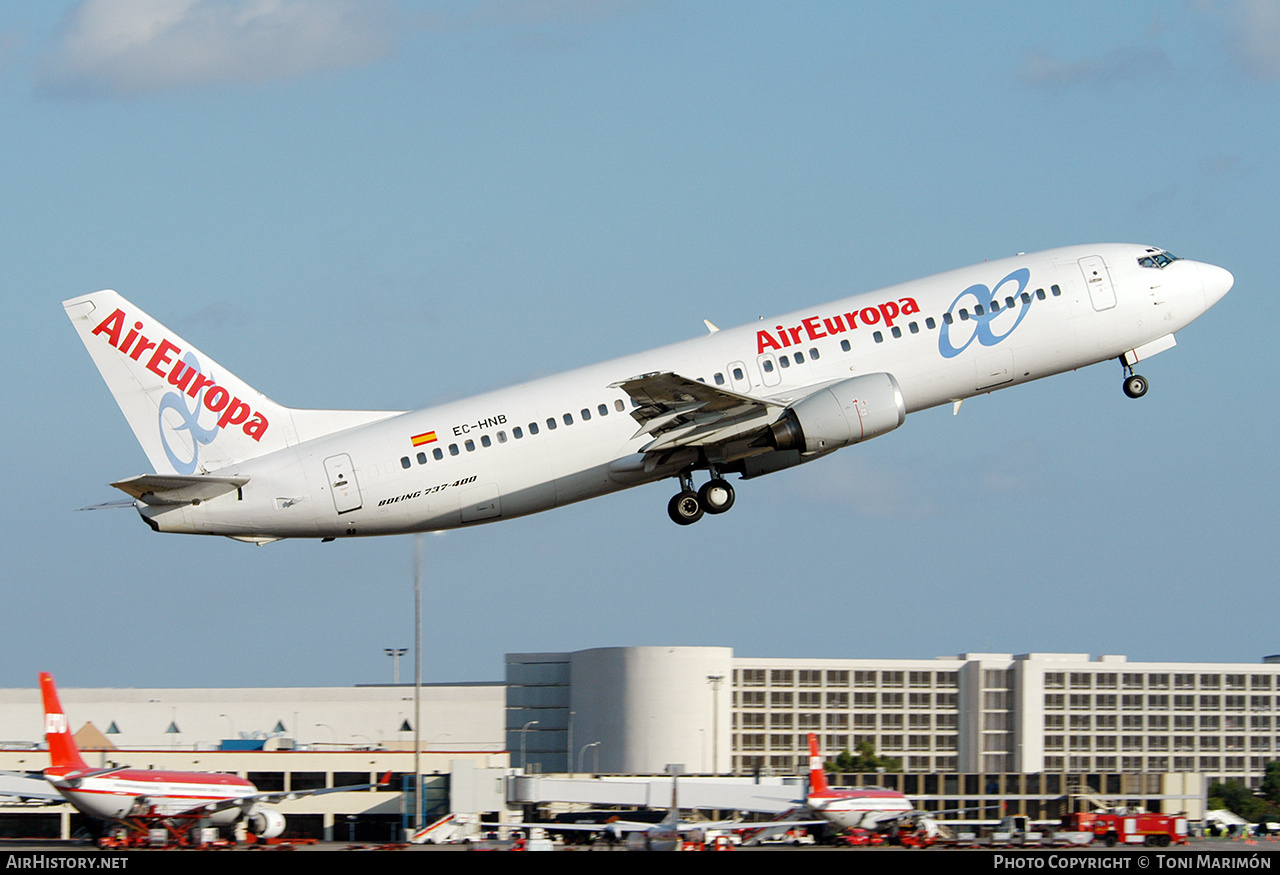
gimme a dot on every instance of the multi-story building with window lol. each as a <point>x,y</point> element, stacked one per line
<point>976,713</point>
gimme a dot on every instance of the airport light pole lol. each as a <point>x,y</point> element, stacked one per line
<point>523,730</point>
<point>568,748</point>
<point>395,653</point>
<point>583,752</point>
<point>417,682</point>
<point>715,680</point>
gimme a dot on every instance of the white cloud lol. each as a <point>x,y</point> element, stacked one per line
<point>127,47</point>
<point>1257,36</point>
<point>1119,65</point>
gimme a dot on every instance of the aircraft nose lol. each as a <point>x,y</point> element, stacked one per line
<point>1217,282</point>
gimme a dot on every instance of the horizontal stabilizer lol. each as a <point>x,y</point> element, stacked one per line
<point>167,489</point>
<point>118,504</point>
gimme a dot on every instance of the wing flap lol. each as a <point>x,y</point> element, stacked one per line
<point>679,412</point>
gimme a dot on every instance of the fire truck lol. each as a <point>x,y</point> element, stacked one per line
<point>1129,828</point>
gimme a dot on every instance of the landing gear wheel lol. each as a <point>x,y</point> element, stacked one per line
<point>685,509</point>
<point>716,496</point>
<point>1135,386</point>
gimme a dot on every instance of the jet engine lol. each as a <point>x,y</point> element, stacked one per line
<point>265,823</point>
<point>850,411</point>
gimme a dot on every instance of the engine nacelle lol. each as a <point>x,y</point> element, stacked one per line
<point>265,823</point>
<point>852,410</point>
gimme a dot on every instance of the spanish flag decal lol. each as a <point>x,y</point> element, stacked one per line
<point>427,437</point>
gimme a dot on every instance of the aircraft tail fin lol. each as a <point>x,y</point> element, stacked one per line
<point>63,752</point>
<point>817,772</point>
<point>190,414</point>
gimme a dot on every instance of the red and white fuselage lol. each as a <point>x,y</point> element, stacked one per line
<point>120,794</point>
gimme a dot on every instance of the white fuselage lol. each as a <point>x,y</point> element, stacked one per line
<point>570,437</point>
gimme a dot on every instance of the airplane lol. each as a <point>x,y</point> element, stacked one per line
<point>671,833</point>
<point>871,808</point>
<point>749,401</point>
<point>138,797</point>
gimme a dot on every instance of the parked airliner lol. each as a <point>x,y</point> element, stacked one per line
<point>869,808</point>
<point>747,401</point>
<point>139,798</point>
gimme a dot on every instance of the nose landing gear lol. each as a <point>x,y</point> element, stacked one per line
<point>1135,385</point>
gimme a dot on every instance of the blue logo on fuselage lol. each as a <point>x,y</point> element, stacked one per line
<point>986,310</point>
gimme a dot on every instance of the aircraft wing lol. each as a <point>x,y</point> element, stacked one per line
<point>286,795</point>
<point>679,412</point>
<point>24,787</point>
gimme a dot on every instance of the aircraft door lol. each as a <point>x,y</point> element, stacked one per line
<point>1098,281</point>
<point>342,483</point>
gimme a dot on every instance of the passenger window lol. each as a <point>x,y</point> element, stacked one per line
<point>1040,294</point>
<point>453,449</point>
<point>768,366</point>
<point>470,445</point>
<point>517,432</point>
<point>568,419</point>
<point>964,314</point>
<point>404,462</point>
<point>603,410</point>
<point>844,345</point>
<point>1026,299</point>
<point>502,437</point>
<point>977,310</point>
<point>551,423</point>
<point>586,414</point>
<point>484,441</point>
<point>915,329</point>
<point>619,406</point>
<point>1055,289</point>
<point>533,428</point>
<point>930,324</point>
<point>879,338</point>
<point>995,306</point>
<point>897,331</point>
<point>784,361</point>
<point>738,375</point>
<point>813,353</point>
<point>438,454</point>
<point>799,357</point>
<point>719,379</point>
<point>1008,302</point>
<point>422,458</point>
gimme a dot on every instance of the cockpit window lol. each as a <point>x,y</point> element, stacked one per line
<point>1157,260</point>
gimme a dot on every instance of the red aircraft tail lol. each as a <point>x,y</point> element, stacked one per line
<point>63,753</point>
<point>817,774</point>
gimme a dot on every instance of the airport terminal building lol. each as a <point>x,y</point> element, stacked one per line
<point>975,725</point>
<point>975,713</point>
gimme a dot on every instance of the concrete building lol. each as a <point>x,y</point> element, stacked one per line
<point>991,713</point>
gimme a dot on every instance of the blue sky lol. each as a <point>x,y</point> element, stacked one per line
<point>391,204</point>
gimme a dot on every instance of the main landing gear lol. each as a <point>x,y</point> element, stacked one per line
<point>687,506</point>
<point>1135,385</point>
